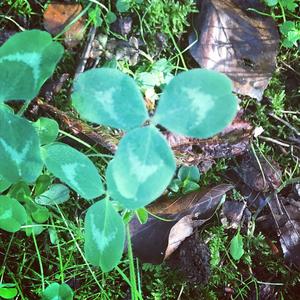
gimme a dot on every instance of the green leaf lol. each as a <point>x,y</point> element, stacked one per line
<point>42,184</point>
<point>7,291</point>
<point>175,185</point>
<point>109,97</point>
<point>27,60</point>
<point>190,186</point>
<point>57,194</point>
<point>290,5</point>
<point>12,214</point>
<point>4,184</point>
<point>73,168</point>
<point>20,191</point>
<point>47,130</point>
<point>122,5</point>
<point>142,215</point>
<point>286,27</point>
<point>189,172</point>
<point>57,291</point>
<point>237,247</point>
<point>197,103</point>
<point>104,235</point>
<point>271,2</point>
<point>19,149</point>
<point>34,229</point>
<point>142,168</point>
<point>40,214</point>
<point>110,17</point>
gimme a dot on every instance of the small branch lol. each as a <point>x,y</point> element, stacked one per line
<point>285,123</point>
<point>86,52</point>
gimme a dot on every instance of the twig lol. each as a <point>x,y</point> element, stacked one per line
<point>285,123</point>
<point>274,141</point>
<point>86,52</point>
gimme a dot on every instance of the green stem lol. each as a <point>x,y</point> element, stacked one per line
<point>39,259</point>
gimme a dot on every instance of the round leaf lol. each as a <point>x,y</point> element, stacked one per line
<point>142,168</point>
<point>19,149</point>
<point>189,172</point>
<point>109,97</point>
<point>4,184</point>
<point>57,291</point>
<point>27,60</point>
<point>8,292</point>
<point>57,194</point>
<point>73,168</point>
<point>197,103</point>
<point>104,235</point>
<point>12,214</point>
<point>47,130</point>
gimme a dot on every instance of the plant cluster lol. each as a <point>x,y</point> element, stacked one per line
<point>197,103</point>
<point>287,11</point>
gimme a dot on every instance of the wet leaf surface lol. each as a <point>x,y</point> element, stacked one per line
<point>236,42</point>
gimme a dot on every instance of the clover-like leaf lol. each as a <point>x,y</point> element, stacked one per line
<point>4,184</point>
<point>73,168</point>
<point>27,60</point>
<point>57,291</point>
<point>197,103</point>
<point>109,97</point>
<point>19,149</point>
<point>47,130</point>
<point>12,214</point>
<point>142,168</point>
<point>104,235</point>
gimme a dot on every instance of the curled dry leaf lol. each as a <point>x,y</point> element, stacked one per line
<point>59,15</point>
<point>236,42</point>
<point>157,239</point>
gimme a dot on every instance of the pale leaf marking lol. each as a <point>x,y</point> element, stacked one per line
<point>100,238</point>
<point>200,103</point>
<point>32,59</point>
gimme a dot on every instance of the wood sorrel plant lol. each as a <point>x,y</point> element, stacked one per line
<point>197,103</point>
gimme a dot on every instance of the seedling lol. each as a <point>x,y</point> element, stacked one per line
<point>197,103</point>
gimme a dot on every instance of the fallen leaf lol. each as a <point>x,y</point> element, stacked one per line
<point>156,240</point>
<point>59,15</point>
<point>236,42</point>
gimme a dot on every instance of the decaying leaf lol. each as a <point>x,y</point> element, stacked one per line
<point>287,224</point>
<point>232,141</point>
<point>259,173</point>
<point>236,42</point>
<point>59,15</point>
<point>233,212</point>
<point>157,239</point>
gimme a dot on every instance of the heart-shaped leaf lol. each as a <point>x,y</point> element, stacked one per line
<point>197,103</point>
<point>189,173</point>
<point>109,97</point>
<point>73,168</point>
<point>12,214</point>
<point>142,168</point>
<point>19,149</point>
<point>4,184</point>
<point>57,291</point>
<point>104,235</point>
<point>27,60</point>
<point>8,291</point>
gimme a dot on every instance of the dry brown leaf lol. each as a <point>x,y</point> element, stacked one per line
<point>58,15</point>
<point>236,42</point>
